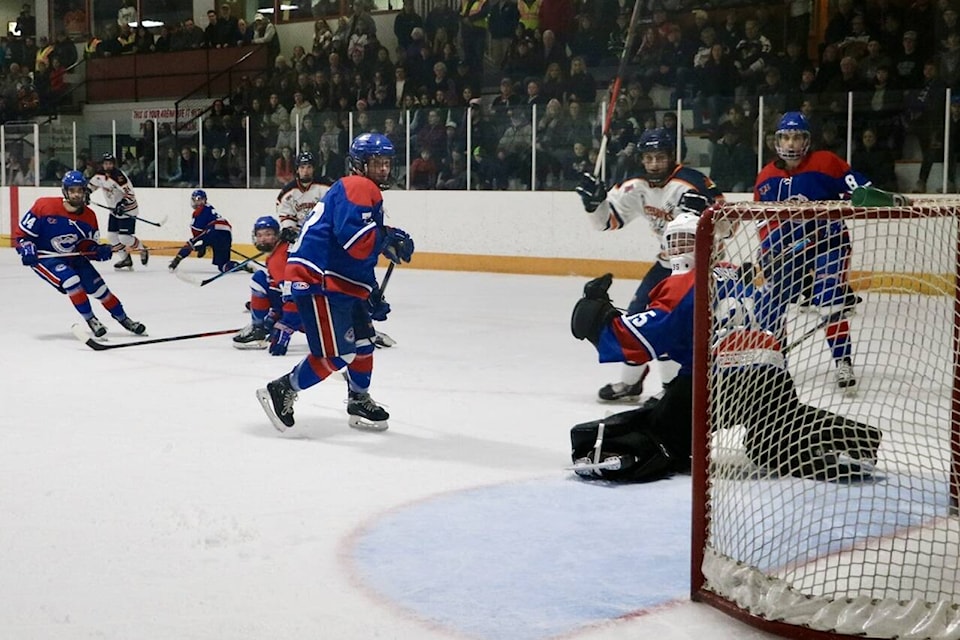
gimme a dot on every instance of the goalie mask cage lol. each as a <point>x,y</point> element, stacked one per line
<point>876,557</point>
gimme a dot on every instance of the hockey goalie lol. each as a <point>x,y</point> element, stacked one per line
<point>782,436</point>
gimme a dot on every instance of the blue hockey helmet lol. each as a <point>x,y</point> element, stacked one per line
<point>198,198</point>
<point>367,146</point>
<point>264,223</point>
<point>659,139</point>
<point>653,141</point>
<point>73,179</point>
<point>793,122</point>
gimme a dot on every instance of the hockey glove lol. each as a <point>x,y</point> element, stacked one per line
<point>592,192</point>
<point>280,339</point>
<point>104,252</point>
<point>201,248</point>
<point>289,234</point>
<point>120,209</point>
<point>397,245</point>
<point>175,263</point>
<point>597,288</point>
<point>28,253</point>
<point>378,306</point>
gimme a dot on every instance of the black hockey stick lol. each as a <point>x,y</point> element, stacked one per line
<point>621,71</point>
<point>85,338</point>
<point>386,277</point>
<point>248,258</point>
<point>144,220</point>
<point>187,277</point>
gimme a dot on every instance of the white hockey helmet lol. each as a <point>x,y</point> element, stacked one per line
<point>680,237</point>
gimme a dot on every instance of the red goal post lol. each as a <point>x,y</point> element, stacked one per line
<point>804,558</point>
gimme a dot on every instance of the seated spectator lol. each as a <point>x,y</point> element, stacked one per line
<point>506,98</point>
<point>423,171</point>
<point>872,160</point>
<point>553,85</point>
<point>188,169</point>
<point>733,165</point>
<point>581,85</point>
<point>454,175</point>
<point>283,166</point>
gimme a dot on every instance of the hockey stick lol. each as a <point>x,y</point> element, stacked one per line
<point>144,220</point>
<point>386,277</point>
<point>187,277</point>
<point>68,254</point>
<point>836,316</point>
<point>621,71</point>
<point>85,338</point>
<point>248,258</point>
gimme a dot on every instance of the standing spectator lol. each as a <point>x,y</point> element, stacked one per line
<point>908,64</point>
<point>925,120</point>
<point>473,30</point>
<point>265,33</point>
<point>27,22</point>
<point>404,23</point>
<point>557,16</point>
<point>502,23</point>
<point>751,58</point>
<point>581,85</point>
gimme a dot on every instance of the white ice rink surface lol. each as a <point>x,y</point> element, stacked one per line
<point>144,495</point>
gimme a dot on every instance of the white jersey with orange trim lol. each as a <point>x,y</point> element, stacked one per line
<point>296,201</point>
<point>116,188</point>
<point>636,198</point>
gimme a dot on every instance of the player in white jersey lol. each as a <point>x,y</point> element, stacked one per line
<point>298,198</point>
<point>665,188</point>
<point>118,193</point>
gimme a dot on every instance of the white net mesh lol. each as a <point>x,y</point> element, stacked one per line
<point>808,521</point>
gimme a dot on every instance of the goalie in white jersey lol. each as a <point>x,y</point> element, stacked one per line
<point>298,198</point>
<point>665,188</point>
<point>118,192</point>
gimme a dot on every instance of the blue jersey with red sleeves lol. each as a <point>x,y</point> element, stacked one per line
<point>821,175</point>
<point>206,218</point>
<point>340,242</point>
<point>665,328</point>
<point>54,228</point>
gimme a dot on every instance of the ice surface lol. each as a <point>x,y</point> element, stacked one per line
<point>143,493</point>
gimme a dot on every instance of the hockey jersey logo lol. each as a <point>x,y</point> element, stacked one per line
<point>65,243</point>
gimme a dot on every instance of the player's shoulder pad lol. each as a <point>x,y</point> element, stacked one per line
<point>697,179</point>
<point>119,176</point>
<point>285,189</point>
<point>361,191</point>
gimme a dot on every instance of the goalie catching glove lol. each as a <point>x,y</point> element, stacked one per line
<point>594,310</point>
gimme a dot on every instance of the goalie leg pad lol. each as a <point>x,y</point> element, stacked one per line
<point>642,457</point>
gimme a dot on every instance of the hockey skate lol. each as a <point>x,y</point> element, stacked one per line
<point>96,327</point>
<point>383,341</point>
<point>845,376</point>
<point>144,255</point>
<point>277,401</point>
<point>620,392</point>
<point>132,325</point>
<point>365,414</point>
<point>125,263</point>
<point>254,336</point>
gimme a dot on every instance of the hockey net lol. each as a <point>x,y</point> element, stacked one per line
<point>874,555</point>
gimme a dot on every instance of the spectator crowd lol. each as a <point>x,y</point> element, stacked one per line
<point>529,80</point>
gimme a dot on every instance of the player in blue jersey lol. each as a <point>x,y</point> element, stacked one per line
<point>781,434</point>
<point>330,271</point>
<point>57,238</point>
<point>273,318</point>
<point>810,258</point>
<point>655,196</point>
<point>208,229</point>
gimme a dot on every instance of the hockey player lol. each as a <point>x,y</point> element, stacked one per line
<point>781,435</point>
<point>57,238</point>
<point>810,258</point>
<point>330,270</point>
<point>209,229</point>
<point>298,197</point>
<point>653,196</point>
<point>272,318</point>
<point>118,192</point>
